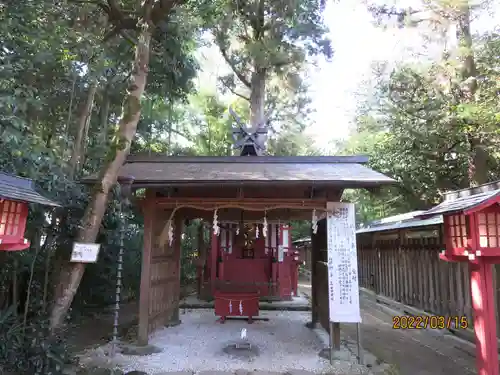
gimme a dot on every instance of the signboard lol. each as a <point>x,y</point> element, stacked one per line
<point>85,252</point>
<point>343,286</point>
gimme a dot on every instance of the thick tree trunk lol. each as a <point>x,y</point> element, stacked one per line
<point>257,98</point>
<point>104,115</point>
<point>478,160</point>
<point>94,213</point>
<point>82,130</point>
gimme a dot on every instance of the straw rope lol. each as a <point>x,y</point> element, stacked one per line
<point>164,233</point>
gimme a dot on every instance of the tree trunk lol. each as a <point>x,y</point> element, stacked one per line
<point>478,160</point>
<point>82,130</point>
<point>118,152</point>
<point>104,115</point>
<point>257,98</point>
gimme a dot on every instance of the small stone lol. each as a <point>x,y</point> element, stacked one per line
<point>265,373</point>
<point>215,373</point>
<point>176,373</point>
<point>136,373</point>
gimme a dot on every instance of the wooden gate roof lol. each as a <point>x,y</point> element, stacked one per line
<point>161,170</point>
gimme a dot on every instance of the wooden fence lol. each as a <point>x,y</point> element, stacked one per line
<point>404,265</point>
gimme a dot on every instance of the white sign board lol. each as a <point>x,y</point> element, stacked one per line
<point>85,252</point>
<point>343,286</point>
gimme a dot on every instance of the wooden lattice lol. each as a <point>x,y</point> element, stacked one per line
<point>457,231</point>
<point>12,221</point>
<point>489,229</point>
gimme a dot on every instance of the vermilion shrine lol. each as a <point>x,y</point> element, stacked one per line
<point>472,234</point>
<point>247,201</point>
<point>15,195</point>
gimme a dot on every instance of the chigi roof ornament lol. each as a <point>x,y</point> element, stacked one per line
<point>250,142</point>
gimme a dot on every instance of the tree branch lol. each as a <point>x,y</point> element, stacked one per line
<point>238,74</point>
<point>226,85</point>
<point>163,7</point>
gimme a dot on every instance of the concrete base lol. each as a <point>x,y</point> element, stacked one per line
<point>338,355</point>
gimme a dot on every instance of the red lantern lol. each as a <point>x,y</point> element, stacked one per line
<point>12,225</point>
<point>15,194</point>
<point>471,226</point>
<point>471,221</point>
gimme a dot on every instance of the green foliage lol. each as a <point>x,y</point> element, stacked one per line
<point>29,349</point>
<point>418,130</point>
<point>51,54</point>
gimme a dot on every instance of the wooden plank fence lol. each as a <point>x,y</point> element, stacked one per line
<point>404,266</point>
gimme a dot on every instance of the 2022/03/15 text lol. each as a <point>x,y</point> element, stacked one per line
<point>429,321</point>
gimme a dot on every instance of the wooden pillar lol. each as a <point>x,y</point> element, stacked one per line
<point>224,240</point>
<point>481,277</point>
<point>314,278</point>
<point>213,261</point>
<point>202,257</point>
<point>177,252</point>
<point>145,286</point>
<point>274,258</point>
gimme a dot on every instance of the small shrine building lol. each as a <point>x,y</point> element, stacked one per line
<point>247,201</point>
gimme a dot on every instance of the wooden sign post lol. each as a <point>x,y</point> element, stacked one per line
<point>343,285</point>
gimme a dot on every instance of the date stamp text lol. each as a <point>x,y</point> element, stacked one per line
<point>429,321</point>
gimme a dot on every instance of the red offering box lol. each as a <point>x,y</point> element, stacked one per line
<point>232,301</point>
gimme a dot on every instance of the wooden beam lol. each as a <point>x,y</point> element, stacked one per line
<point>145,286</point>
<point>257,203</point>
<point>235,214</point>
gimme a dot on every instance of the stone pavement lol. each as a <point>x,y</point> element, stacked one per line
<point>410,352</point>
<point>237,372</point>
<point>407,352</point>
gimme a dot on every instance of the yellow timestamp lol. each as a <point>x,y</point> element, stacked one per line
<point>429,321</point>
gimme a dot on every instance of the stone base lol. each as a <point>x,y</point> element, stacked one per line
<point>312,325</point>
<point>241,350</point>
<point>128,349</point>
<point>173,323</point>
<point>99,371</point>
<point>338,355</point>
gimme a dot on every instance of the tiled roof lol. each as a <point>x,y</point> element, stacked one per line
<point>21,189</point>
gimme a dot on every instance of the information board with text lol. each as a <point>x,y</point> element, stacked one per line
<point>343,285</point>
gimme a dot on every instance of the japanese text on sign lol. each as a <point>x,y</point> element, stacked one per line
<point>85,252</point>
<point>343,285</point>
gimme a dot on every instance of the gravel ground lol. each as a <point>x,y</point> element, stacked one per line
<point>284,343</point>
